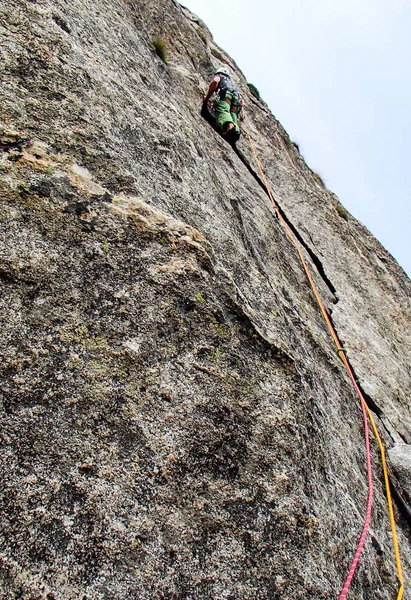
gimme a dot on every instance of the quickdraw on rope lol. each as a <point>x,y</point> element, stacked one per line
<point>364,407</point>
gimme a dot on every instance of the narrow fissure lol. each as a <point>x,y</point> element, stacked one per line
<point>405,440</point>
<point>313,256</point>
<point>370,402</point>
<point>396,495</point>
<point>403,507</point>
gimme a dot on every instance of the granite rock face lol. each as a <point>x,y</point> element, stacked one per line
<point>176,423</point>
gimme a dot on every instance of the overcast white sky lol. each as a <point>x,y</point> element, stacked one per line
<point>338,77</point>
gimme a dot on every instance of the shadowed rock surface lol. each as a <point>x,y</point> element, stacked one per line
<point>176,423</point>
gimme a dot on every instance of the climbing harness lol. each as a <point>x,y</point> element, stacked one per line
<point>364,407</point>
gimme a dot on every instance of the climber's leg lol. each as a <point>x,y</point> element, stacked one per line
<point>224,118</point>
<point>235,122</point>
<point>234,114</point>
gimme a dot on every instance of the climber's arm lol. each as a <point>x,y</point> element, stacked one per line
<point>212,89</point>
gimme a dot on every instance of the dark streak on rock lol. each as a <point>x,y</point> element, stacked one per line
<point>61,23</point>
<point>318,264</point>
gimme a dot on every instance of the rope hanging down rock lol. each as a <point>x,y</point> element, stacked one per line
<point>364,407</point>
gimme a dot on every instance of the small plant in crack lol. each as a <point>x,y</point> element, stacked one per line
<point>160,48</point>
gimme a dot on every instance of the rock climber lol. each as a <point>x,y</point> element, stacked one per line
<point>228,105</point>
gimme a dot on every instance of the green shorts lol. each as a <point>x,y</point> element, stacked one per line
<point>227,112</point>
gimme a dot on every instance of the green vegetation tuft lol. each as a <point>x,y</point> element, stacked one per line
<point>200,298</point>
<point>254,91</point>
<point>161,239</point>
<point>160,49</point>
<point>342,211</point>
<point>201,35</point>
<point>23,187</point>
<point>291,145</point>
<point>318,178</point>
<point>217,356</point>
<point>220,328</point>
<point>50,169</point>
<point>218,55</point>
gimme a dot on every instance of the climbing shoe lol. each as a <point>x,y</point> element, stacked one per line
<point>232,136</point>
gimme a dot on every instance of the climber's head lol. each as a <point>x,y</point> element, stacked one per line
<point>223,71</point>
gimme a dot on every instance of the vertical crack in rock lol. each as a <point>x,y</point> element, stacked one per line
<point>403,506</point>
<point>316,261</point>
<point>372,405</point>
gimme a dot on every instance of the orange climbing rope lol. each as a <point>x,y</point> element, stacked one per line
<point>364,407</point>
<point>390,508</point>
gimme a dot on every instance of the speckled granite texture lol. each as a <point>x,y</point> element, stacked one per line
<point>175,422</point>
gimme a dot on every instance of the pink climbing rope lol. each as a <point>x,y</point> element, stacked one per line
<point>367,520</point>
<point>341,353</point>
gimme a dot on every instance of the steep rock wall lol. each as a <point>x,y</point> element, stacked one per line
<point>175,421</point>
